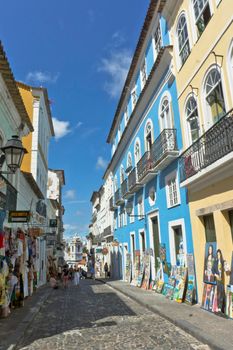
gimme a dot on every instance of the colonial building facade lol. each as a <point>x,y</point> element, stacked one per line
<point>150,208</point>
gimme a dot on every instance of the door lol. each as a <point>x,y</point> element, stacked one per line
<point>156,242</point>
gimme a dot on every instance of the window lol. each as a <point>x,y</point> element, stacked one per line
<point>134,97</point>
<point>142,242</point>
<point>202,14</point>
<point>183,39</point>
<point>143,74</point>
<point>126,114</point>
<point>115,184</point>
<point>137,152</point>
<point>210,232</point>
<point>214,95</point>
<point>152,196</point>
<point>157,42</point>
<point>165,115</point>
<point>122,217</point>
<point>122,174</point>
<point>115,221</point>
<point>148,136</point>
<point>192,119</point>
<point>129,161</point>
<point>172,190</point>
<point>178,238</point>
<point>140,208</point>
<point>119,132</point>
<point>130,209</point>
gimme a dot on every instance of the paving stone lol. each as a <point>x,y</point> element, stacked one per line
<point>96,317</point>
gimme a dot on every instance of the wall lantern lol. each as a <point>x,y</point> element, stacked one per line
<point>13,154</point>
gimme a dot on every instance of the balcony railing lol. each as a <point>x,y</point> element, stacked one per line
<point>118,197</point>
<point>112,205</point>
<point>213,145</point>
<point>164,149</point>
<point>133,183</point>
<point>126,194</point>
<point>145,168</point>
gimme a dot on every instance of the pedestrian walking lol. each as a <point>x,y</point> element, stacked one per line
<point>93,272</point>
<point>65,277</point>
<point>76,277</point>
<point>106,269</point>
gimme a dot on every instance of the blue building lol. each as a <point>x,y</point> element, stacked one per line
<point>149,206</point>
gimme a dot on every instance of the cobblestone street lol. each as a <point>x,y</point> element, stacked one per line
<point>94,316</point>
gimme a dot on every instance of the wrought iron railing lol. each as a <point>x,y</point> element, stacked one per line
<point>124,187</point>
<point>214,144</point>
<point>165,142</point>
<point>144,164</point>
<point>132,179</point>
<point>111,202</point>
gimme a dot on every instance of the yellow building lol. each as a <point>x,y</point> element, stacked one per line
<point>202,36</point>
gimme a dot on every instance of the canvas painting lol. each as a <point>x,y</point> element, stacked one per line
<point>146,279</point>
<point>136,269</point>
<point>168,291</point>
<point>128,268</point>
<point>208,297</point>
<point>190,264</point>
<point>210,254</point>
<point>189,296</point>
<point>229,302</point>
<point>231,276</point>
<point>179,288</point>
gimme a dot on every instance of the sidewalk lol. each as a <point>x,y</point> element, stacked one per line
<point>210,329</point>
<point>13,327</point>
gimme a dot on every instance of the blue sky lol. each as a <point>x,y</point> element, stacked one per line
<point>80,50</point>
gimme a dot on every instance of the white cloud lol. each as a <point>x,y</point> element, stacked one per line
<point>70,194</point>
<point>101,163</point>
<point>42,77</point>
<point>70,227</point>
<point>116,67</point>
<point>61,128</point>
<point>79,213</point>
<point>78,125</point>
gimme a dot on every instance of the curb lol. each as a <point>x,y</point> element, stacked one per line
<point>21,329</point>
<point>181,324</point>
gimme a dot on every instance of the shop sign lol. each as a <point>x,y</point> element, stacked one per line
<point>19,216</point>
<point>53,223</point>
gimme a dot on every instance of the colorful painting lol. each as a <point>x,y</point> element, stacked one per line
<point>168,291</point>
<point>231,276</point>
<point>178,294</point>
<point>208,297</point>
<point>162,252</point>
<point>190,292</point>
<point>210,254</point>
<point>141,271</point>
<point>229,302</point>
<point>128,268</point>
<point>136,269</point>
<point>146,279</point>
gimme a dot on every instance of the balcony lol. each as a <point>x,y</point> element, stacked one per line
<point>94,216</point>
<point>118,197</point>
<point>145,168</point>
<point>133,184</point>
<point>126,194</point>
<point>210,153</point>
<point>164,149</point>
<point>112,205</point>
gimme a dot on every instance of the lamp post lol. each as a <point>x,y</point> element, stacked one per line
<point>13,153</point>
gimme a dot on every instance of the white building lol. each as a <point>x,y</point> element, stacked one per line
<point>74,251</point>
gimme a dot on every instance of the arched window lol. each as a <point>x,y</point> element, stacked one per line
<point>115,184</point>
<point>183,39</point>
<point>192,119</point>
<point>137,152</point>
<point>122,174</point>
<point>202,14</point>
<point>129,161</point>
<point>165,115</point>
<point>214,95</point>
<point>148,136</point>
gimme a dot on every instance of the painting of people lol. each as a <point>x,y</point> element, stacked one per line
<point>210,253</point>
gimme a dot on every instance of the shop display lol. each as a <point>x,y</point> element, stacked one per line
<point>191,283</point>
<point>180,283</point>
<point>128,268</point>
<point>136,268</point>
<point>210,253</point>
<point>141,272</point>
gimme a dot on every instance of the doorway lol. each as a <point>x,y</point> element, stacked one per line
<point>156,242</point>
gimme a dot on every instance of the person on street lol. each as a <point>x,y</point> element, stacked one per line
<point>53,282</point>
<point>93,272</point>
<point>65,277</point>
<point>106,269</point>
<point>76,277</point>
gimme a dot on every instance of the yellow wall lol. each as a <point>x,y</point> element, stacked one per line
<point>217,37</point>
<point>27,140</point>
<point>218,193</point>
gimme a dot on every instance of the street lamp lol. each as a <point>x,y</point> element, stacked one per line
<point>13,153</point>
